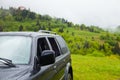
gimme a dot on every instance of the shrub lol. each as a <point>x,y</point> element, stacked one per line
<point>97,54</point>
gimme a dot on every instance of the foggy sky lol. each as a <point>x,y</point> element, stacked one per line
<point>103,13</point>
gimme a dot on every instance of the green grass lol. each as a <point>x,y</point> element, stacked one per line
<point>95,68</point>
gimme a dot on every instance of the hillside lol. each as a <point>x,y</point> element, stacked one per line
<point>81,39</point>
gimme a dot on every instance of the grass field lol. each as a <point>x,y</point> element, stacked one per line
<point>95,68</point>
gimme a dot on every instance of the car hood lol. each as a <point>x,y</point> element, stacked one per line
<point>13,73</point>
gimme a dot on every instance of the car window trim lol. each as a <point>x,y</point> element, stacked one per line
<point>56,43</point>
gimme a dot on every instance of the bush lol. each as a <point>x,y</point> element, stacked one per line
<point>97,54</point>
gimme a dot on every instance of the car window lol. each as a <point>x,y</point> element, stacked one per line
<point>42,45</point>
<point>62,44</point>
<point>54,46</point>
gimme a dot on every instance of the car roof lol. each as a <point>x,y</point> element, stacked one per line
<point>32,34</point>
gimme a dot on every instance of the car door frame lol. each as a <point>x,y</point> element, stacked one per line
<point>46,72</point>
<point>60,64</point>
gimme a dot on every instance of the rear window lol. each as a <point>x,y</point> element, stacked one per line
<point>62,44</point>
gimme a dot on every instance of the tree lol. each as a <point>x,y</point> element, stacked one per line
<point>70,24</point>
<point>3,15</point>
<point>73,33</point>
<point>63,20</point>
<point>118,38</point>
<point>49,28</point>
<point>61,30</point>
<point>24,13</point>
<point>20,28</point>
<point>91,29</point>
<point>1,28</point>
<point>78,46</point>
<point>32,15</point>
<point>67,31</point>
<point>86,44</point>
<point>12,11</point>
<point>38,23</point>
<point>42,28</point>
<point>39,16</point>
<point>46,17</point>
<point>116,49</point>
<point>82,26</point>
<point>107,49</point>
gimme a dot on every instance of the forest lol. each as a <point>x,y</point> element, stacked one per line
<point>81,39</point>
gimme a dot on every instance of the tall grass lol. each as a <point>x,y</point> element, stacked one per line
<point>95,68</point>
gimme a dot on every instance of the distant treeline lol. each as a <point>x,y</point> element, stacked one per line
<point>38,21</point>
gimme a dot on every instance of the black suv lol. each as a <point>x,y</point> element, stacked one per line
<point>34,56</point>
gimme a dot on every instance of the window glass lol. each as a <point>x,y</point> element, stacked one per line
<point>15,48</point>
<point>62,44</point>
<point>42,45</point>
<point>54,46</point>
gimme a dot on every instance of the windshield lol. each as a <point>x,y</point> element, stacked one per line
<point>15,48</point>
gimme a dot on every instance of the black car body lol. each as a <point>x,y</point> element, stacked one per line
<point>40,56</point>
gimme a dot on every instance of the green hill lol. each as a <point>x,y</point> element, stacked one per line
<point>81,39</point>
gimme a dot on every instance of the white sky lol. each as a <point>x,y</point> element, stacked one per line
<point>103,13</point>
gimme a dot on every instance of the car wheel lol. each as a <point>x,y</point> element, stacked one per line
<point>69,77</point>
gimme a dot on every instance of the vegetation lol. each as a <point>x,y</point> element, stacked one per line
<point>81,39</point>
<point>96,68</point>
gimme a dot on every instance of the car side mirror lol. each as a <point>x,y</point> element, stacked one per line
<point>47,57</point>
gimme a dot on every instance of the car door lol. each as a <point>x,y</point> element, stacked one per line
<point>60,63</point>
<point>65,53</point>
<point>46,72</point>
